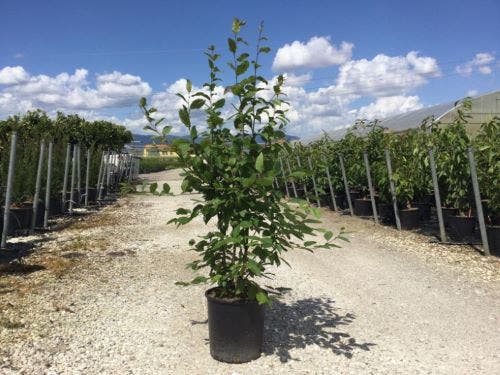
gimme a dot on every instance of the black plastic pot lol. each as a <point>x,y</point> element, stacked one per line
<point>300,192</point>
<point>424,210</point>
<point>386,213</point>
<point>462,226</point>
<point>493,234</point>
<point>55,206</point>
<point>325,200</point>
<point>19,218</point>
<point>235,328</point>
<point>363,207</point>
<point>341,201</point>
<point>447,212</point>
<point>354,195</point>
<point>92,195</point>
<point>409,218</point>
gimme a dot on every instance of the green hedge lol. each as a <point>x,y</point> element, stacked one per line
<point>158,164</point>
<point>34,126</point>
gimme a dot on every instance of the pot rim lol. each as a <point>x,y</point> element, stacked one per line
<point>232,301</point>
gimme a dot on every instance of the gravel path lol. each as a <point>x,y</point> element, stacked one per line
<point>99,298</point>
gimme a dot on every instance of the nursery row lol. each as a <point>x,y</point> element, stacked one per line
<point>402,178</point>
<point>49,167</point>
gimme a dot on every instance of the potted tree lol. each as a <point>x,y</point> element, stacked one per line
<point>454,173</point>
<point>487,145</point>
<point>404,178</point>
<point>232,161</point>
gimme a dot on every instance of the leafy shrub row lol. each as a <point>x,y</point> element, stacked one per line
<point>34,126</point>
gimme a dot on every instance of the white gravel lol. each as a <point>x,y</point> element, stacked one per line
<point>386,303</point>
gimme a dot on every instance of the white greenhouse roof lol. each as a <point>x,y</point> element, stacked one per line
<point>483,107</point>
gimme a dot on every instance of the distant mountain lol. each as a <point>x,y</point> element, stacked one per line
<point>143,139</point>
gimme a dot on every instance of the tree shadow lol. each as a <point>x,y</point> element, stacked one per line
<point>310,321</point>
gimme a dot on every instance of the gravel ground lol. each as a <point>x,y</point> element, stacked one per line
<point>99,298</point>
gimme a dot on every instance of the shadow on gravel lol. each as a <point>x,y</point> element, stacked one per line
<point>310,321</point>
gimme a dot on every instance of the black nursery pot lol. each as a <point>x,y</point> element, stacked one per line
<point>19,218</point>
<point>340,200</point>
<point>493,234</point>
<point>92,195</point>
<point>447,212</point>
<point>325,200</point>
<point>409,218</point>
<point>363,207</point>
<point>235,328</point>
<point>300,192</point>
<point>424,210</point>
<point>462,226</point>
<point>386,213</point>
<point>354,195</point>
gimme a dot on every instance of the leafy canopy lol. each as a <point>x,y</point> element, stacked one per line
<point>232,162</point>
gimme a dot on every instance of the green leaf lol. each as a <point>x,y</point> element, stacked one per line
<point>166,130</point>
<point>189,85</point>
<point>231,44</point>
<point>242,68</point>
<point>166,188</point>
<point>186,185</point>
<point>328,235</point>
<point>193,133</point>
<point>262,297</point>
<point>142,102</point>
<point>249,181</point>
<point>153,187</point>
<point>259,163</point>
<point>197,103</point>
<point>254,267</point>
<point>219,103</point>
<point>184,116</point>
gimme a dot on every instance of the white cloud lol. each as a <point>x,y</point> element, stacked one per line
<point>296,80</point>
<point>389,106</point>
<point>472,92</point>
<point>387,80</point>
<point>68,92</point>
<point>385,75</point>
<point>484,69</point>
<point>481,62</point>
<point>318,52</point>
<point>11,75</point>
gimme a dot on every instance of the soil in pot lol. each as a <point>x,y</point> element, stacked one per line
<point>462,226</point>
<point>424,210</point>
<point>235,328</point>
<point>363,207</point>
<point>493,234</point>
<point>386,213</point>
<point>409,218</point>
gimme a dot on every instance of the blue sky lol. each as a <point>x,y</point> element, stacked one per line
<point>343,59</point>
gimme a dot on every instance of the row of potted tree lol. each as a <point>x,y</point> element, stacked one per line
<point>408,155</point>
<point>33,127</point>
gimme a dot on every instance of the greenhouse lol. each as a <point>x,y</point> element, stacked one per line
<point>484,108</point>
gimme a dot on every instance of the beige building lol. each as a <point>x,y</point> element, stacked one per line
<point>158,150</point>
